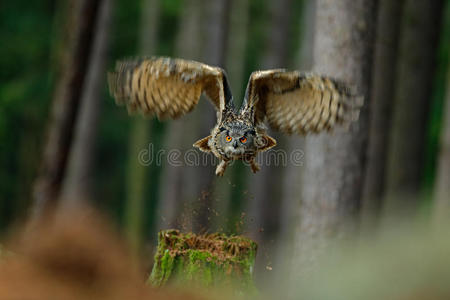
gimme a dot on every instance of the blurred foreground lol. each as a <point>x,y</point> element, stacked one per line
<point>78,255</point>
<point>73,255</point>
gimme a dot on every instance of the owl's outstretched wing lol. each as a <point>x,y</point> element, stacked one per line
<point>294,102</point>
<point>167,87</point>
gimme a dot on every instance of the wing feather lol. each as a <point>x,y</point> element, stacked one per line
<point>294,102</point>
<point>167,87</point>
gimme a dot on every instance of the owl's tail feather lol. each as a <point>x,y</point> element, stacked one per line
<point>120,81</point>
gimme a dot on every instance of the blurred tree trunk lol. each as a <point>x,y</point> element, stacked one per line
<point>266,185</point>
<point>382,102</point>
<point>228,191</point>
<point>216,26</point>
<point>334,163</point>
<point>77,185</point>
<point>216,36</point>
<point>417,53</point>
<point>442,188</point>
<point>290,198</point>
<point>237,44</point>
<point>177,189</point>
<point>291,194</point>
<point>66,99</point>
<point>137,173</point>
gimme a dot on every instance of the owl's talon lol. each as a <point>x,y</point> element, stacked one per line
<point>220,170</point>
<point>254,166</point>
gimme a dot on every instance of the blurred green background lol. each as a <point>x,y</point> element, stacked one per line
<point>251,35</point>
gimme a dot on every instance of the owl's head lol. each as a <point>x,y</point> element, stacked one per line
<point>235,138</point>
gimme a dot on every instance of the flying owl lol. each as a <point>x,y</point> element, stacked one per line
<point>289,101</point>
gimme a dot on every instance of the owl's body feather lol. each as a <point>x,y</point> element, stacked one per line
<point>291,102</point>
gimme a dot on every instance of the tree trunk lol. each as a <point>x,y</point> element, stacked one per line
<point>207,260</point>
<point>334,163</point>
<point>228,191</point>
<point>77,185</point>
<point>217,26</point>
<point>201,178</point>
<point>65,105</point>
<point>177,190</point>
<point>235,56</point>
<point>418,44</point>
<point>137,178</point>
<point>291,195</point>
<point>382,102</point>
<point>442,189</point>
<point>290,198</point>
<point>266,185</point>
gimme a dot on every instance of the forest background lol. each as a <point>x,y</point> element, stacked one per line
<point>64,141</point>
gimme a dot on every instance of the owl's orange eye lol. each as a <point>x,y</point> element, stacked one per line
<point>243,139</point>
<point>228,138</point>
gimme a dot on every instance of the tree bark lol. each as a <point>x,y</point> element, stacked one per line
<point>382,102</point>
<point>77,185</point>
<point>418,44</point>
<point>137,178</point>
<point>334,163</point>
<point>65,105</point>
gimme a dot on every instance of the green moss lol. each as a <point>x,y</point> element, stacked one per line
<point>206,260</point>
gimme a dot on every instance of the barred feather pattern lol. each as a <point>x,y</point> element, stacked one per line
<point>301,103</point>
<point>289,101</point>
<point>165,87</point>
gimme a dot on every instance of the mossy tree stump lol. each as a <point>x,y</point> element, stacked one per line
<point>210,260</point>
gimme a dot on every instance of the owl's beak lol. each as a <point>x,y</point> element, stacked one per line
<point>235,144</point>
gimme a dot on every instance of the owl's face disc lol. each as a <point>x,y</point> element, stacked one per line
<point>235,139</point>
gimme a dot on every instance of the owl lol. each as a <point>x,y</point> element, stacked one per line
<point>288,101</point>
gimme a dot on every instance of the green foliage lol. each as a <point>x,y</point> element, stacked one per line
<point>437,104</point>
<point>25,92</point>
<point>115,123</point>
<point>126,21</point>
<point>112,149</point>
<point>168,26</point>
<point>153,187</point>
